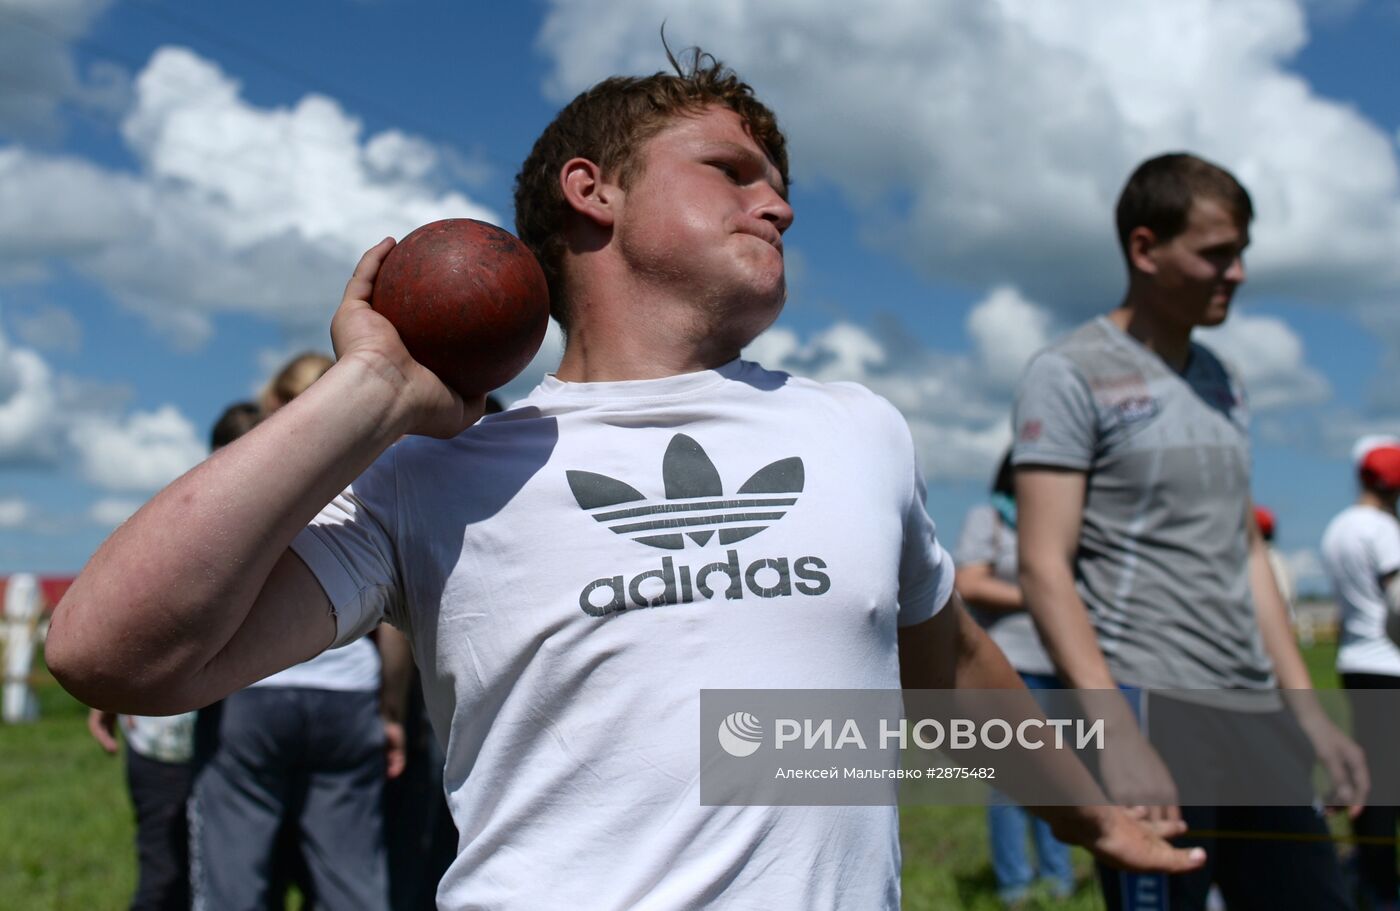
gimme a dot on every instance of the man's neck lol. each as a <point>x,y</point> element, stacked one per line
<point>1376,501</point>
<point>1139,317</point>
<point>640,341</point>
<point>597,356</point>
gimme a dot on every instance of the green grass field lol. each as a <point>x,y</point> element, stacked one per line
<point>67,825</point>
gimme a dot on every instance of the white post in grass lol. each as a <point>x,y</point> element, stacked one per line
<point>23,602</point>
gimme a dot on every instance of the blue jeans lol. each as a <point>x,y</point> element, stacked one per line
<point>267,755</point>
<point>1006,826</point>
<point>158,794</point>
<point>1253,875</point>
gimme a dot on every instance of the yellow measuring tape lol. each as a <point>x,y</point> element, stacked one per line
<point>1290,836</point>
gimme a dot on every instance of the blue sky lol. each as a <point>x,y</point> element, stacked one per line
<point>184,187</point>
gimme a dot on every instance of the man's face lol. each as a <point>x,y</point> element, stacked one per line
<point>1201,267</point>
<point>705,216</point>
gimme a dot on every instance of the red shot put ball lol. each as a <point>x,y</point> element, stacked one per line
<point>468,299</point>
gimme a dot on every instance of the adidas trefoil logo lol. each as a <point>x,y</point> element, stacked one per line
<point>696,509</point>
<point>695,506</point>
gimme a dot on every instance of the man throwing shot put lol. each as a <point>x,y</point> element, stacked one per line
<point>1139,556</point>
<point>656,518</point>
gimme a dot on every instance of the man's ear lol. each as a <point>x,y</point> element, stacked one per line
<point>1141,244</point>
<point>588,193</point>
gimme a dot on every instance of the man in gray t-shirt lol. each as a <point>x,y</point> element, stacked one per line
<point>1163,555</point>
<point>1139,557</point>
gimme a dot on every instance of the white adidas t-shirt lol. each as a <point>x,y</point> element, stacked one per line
<point>1361,545</point>
<point>574,571</point>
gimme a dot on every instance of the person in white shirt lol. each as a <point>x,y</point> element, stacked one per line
<point>658,517</point>
<point>1361,553</point>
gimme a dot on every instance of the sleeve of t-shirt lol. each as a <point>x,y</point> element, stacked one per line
<point>349,547</point>
<point>977,543</point>
<point>1054,418</point>
<point>925,568</point>
<point>1385,548</point>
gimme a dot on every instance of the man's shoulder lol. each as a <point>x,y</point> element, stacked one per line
<point>1355,530</point>
<point>1092,349</point>
<point>1334,531</point>
<point>498,442</point>
<point>1088,337</point>
<point>840,394</point>
<point>1361,521</point>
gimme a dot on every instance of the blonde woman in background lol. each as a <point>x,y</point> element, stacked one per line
<point>293,379</point>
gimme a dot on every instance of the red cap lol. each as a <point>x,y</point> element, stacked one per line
<point>1264,518</point>
<point>1380,467</point>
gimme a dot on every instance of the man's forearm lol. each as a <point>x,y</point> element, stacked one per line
<point>170,588</point>
<point>988,688</point>
<point>981,663</point>
<point>1069,637</point>
<point>1277,634</point>
<point>1274,626</point>
<point>1064,626</point>
<point>984,591</point>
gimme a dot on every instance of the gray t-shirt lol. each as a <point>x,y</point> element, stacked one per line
<point>1163,559</point>
<point>986,539</point>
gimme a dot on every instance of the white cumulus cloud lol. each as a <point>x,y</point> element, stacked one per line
<point>112,511</point>
<point>233,207</point>
<point>959,416</point>
<point>29,418</point>
<point>50,328</point>
<point>987,142</point>
<point>40,71</point>
<point>958,404</point>
<point>1270,358</point>
<point>141,453</point>
<point>15,512</point>
<point>1007,330</point>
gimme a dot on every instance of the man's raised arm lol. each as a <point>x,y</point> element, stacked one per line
<point>198,595</point>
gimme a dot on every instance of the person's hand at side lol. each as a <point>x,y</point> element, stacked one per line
<point>951,650</point>
<point>1344,761</point>
<point>103,728</point>
<point>1134,776</point>
<point>395,749</point>
<point>1124,839</point>
<point>1340,756</point>
<point>395,681</point>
